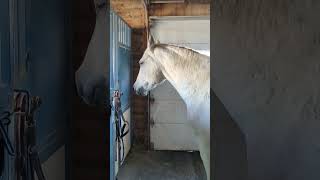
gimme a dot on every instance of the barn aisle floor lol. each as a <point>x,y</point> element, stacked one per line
<point>161,165</point>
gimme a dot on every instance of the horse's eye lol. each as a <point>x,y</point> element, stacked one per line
<point>141,63</point>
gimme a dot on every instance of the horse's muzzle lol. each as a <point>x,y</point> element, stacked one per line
<point>93,93</point>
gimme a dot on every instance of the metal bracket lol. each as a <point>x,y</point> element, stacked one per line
<point>27,59</point>
<point>151,99</point>
<point>151,145</point>
<point>152,122</point>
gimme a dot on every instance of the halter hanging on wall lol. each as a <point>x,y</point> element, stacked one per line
<point>6,146</point>
<point>119,119</point>
<point>4,137</point>
<point>27,162</point>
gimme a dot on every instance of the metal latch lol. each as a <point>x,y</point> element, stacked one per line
<point>151,99</point>
<point>152,122</point>
<point>27,59</point>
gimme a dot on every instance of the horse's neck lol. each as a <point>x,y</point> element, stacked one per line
<point>187,71</point>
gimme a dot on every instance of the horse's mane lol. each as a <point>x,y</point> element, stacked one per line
<point>183,57</point>
<point>182,49</point>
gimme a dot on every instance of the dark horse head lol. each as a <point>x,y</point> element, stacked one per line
<point>92,77</point>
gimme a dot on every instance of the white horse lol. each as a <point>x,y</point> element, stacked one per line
<point>189,73</point>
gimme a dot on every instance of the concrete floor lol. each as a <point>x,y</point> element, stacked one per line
<point>161,165</point>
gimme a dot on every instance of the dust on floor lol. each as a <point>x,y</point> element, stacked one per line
<point>162,165</point>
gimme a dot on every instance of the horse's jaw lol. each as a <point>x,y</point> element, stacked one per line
<point>142,91</point>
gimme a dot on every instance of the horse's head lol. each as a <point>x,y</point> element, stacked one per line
<point>150,74</point>
<point>92,77</point>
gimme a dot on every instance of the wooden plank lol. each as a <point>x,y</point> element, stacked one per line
<point>140,117</point>
<point>138,104</point>
<point>139,109</point>
<point>131,11</point>
<point>140,124</point>
<point>179,10</point>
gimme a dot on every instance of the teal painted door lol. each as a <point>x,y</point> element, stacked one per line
<point>5,79</point>
<point>5,68</point>
<point>48,69</point>
<point>34,57</point>
<point>120,79</point>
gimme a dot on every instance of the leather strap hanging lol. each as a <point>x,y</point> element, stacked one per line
<point>120,128</point>
<point>26,157</point>
<point>22,104</point>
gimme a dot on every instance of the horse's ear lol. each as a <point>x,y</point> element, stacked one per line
<point>150,41</point>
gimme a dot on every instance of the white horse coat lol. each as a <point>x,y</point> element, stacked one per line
<point>189,73</point>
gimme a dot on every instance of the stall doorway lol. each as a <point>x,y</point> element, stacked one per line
<point>168,114</point>
<point>173,152</point>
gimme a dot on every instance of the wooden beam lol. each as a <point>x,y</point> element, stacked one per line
<point>133,11</point>
<point>179,1</point>
<point>187,9</point>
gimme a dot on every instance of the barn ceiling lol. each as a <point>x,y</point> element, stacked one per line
<point>133,11</point>
<point>179,1</point>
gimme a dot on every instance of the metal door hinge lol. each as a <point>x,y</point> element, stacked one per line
<point>27,59</point>
<point>151,99</point>
<point>151,145</point>
<point>152,122</point>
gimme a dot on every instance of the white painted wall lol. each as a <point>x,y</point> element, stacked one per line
<point>170,130</point>
<point>266,71</point>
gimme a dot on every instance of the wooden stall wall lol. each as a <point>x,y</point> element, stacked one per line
<point>139,103</point>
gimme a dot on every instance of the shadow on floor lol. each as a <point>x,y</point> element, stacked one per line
<point>162,165</point>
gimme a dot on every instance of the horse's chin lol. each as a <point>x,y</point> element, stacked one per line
<point>147,90</point>
<point>143,91</point>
